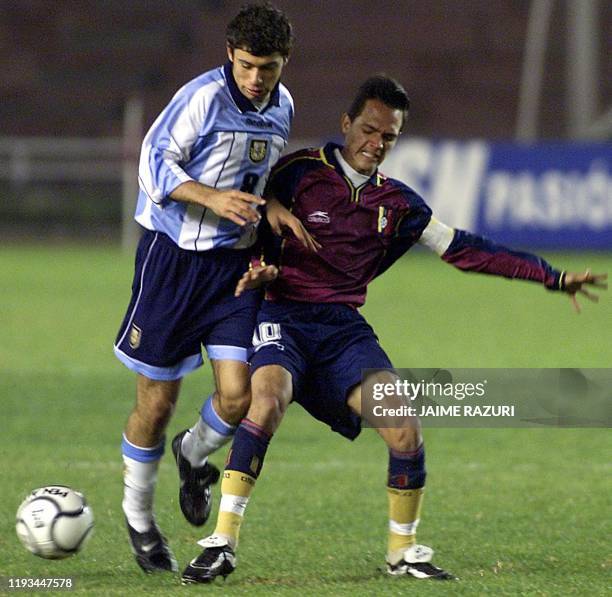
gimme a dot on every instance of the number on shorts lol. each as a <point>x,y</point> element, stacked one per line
<point>267,333</point>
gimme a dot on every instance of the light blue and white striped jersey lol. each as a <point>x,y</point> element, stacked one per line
<point>210,133</point>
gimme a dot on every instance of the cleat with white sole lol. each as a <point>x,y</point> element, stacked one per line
<point>416,562</point>
<point>217,559</point>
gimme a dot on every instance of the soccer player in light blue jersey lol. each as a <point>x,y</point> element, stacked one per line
<point>203,166</point>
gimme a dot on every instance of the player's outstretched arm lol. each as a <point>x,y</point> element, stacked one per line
<point>573,284</point>
<point>256,277</point>
<point>231,204</point>
<point>281,219</point>
<point>470,252</point>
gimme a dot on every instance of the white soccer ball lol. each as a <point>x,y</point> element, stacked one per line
<point>54,522</point>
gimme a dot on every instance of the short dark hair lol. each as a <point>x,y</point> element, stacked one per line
<point>385,89</point>
<point>261,30</point>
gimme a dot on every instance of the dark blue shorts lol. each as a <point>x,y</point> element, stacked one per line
<point>182,300</point>
<point>324,347</point>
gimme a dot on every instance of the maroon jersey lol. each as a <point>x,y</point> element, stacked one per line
<point>362,230</point>
<point>366,229</point>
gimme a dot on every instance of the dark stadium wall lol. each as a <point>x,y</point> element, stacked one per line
<point>460,61</point>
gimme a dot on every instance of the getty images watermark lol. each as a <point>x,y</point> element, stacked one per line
<point>487,397</point>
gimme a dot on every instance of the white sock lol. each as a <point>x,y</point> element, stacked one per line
<point>206,436</point>
<point>139,481</point>
<point>201,441</point>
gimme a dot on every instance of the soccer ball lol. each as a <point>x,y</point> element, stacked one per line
<point>54,522</point>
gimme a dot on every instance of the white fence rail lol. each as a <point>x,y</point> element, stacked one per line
<point>60,159</point>
<point>49,161</point>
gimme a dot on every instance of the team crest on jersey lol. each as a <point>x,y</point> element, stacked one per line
<point>258,150</point>
<point>135,336</point>
<point>384,216</point>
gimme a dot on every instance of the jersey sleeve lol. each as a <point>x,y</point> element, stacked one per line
<point>286,175</point>
<point>283,185</point>
<point>414,219</point>
<point>168,144</point>
<point>470,252</point>
<point>280,185</point>
<point>437,236</point>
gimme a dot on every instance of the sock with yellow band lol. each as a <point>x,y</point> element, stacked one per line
<point>243,466</point>
<point>405,488</point>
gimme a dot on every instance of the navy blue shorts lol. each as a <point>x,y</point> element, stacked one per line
<point>324,347</point>
<point>182,300</point>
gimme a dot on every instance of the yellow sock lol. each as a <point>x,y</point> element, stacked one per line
<point>236,488</point>
<point>404,514</point>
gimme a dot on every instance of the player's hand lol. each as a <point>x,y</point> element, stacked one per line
<point>281,219</point>
<point>233,205</point>
<point>574,284</point>
<point>239,207</point>
<point>256,277</point>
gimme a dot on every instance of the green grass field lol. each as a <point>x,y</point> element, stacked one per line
<point>509,511</point>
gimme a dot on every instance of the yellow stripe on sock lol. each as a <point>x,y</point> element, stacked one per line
<point>405,504</point>
<point>237,483</point>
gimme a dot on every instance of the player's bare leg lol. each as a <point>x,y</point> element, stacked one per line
<point>405,486</point>
<point>272,391</point>
<point>143,447</point>
<point>220,415</point>
<point>155,403</point>
<point>233,396</point>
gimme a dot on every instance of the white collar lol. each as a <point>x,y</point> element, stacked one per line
<point>356,178</point>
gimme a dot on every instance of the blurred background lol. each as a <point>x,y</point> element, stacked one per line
<point>82,80</point>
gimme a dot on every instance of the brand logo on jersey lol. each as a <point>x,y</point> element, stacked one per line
<point>135,336</point>
<point>258,150</point>
<point>319,217</point>
<point>262,124</point>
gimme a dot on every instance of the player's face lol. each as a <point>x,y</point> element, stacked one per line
<point>256,76</point>
<point>369,137</point>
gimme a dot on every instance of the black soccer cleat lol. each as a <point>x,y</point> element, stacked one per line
<point>417,563</point>
<point>151,550</point>
<point>194,494</point>
<point>217,559</point>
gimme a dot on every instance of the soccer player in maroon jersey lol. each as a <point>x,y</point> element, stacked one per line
<point>312,344</point>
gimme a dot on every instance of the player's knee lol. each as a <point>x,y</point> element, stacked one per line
<point>233,393</point>
<point>267,410</point>
<point>234,404</point>
<point>404,439</point>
